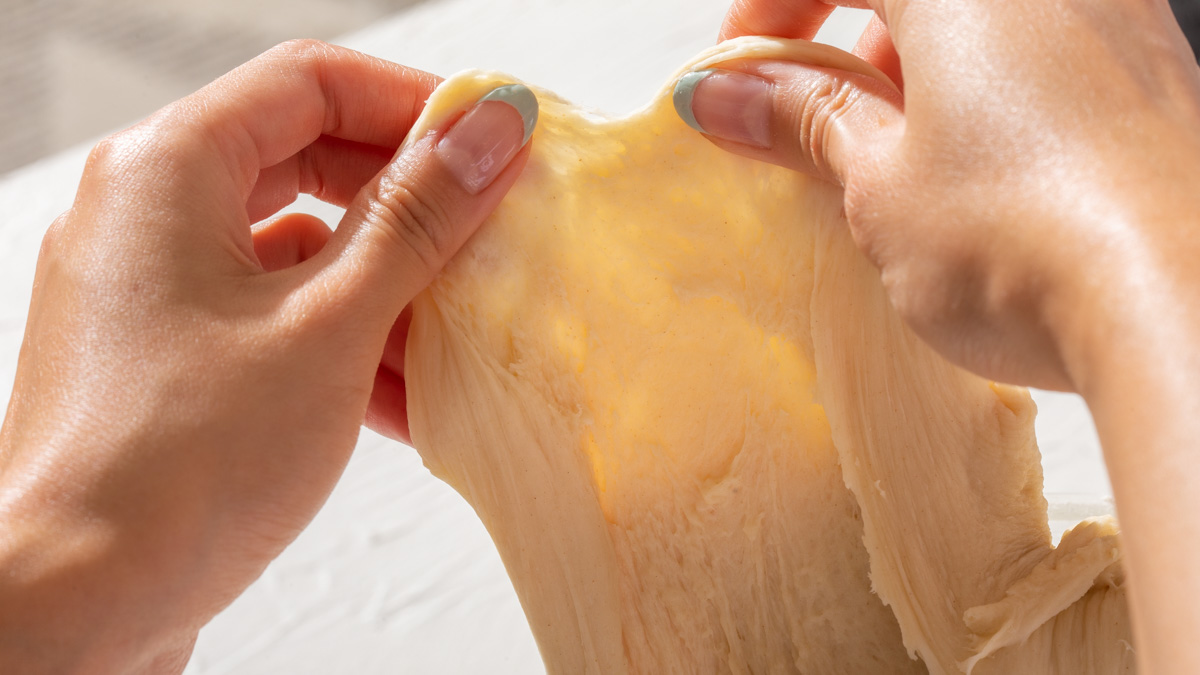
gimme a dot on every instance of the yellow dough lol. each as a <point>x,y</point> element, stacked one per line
<point>703,442</point>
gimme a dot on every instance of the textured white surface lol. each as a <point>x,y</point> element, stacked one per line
<point>396,574</point>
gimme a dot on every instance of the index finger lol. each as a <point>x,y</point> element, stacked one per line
<point>779,18</point>
<point>876,48</point>
<point>270,108</point>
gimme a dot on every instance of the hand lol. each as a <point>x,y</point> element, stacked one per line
<point>191,385</point>
<point>1030,138</point>
<point>1027,189</point>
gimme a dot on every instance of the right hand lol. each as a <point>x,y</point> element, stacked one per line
<point>1031,201</point>
<point>1043,155</point>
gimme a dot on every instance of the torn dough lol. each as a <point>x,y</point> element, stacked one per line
<point>702,440</point>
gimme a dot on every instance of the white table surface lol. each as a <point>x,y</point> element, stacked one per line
<point>396,575</point>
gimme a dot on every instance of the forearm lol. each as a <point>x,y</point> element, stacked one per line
<point>1139,377</point>
<point>1149,431</point>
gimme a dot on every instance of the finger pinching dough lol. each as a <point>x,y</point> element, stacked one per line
<point>703,441</point>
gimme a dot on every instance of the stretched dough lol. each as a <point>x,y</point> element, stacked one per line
<point>702,441</point>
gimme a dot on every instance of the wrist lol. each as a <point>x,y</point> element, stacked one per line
<point>71,601</point>
<point>1128,302</point>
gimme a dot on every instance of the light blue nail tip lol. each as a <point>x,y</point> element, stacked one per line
<point>685,88</point>
<point>522,100</point>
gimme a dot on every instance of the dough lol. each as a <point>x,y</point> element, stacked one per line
<point>703,442</point>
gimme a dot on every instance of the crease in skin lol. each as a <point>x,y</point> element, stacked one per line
<point>702,440</point>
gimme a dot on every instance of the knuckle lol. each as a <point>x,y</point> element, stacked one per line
<point>104,150</point>
<point>912,300</point>
<point>307,58</point>
<point>55,236</point>
<point>820,111</point>
<point>412,218</point>
<point>301,49</point>
<point>149,145</point>
<point>935,295</point>
<point>112,153</point>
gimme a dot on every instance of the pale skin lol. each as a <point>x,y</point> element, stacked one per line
<point>191,385</point>
<point>1031,202</point>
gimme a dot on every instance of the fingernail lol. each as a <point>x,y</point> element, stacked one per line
<point>725,104</point>
<point>484,140</point>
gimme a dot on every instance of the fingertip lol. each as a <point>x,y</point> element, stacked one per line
<point>387,410</point>
<point>397,341</point>
<point>726,104</point>
<point>485,140</point>
<point>812,119</point>
<point>289,240</point>
<point>795,19</point>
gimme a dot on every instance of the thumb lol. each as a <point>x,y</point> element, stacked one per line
<point>819,120</point>
<point>406,224</point>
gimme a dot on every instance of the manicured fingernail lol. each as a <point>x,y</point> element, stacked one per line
<point>725,104</point>
<point>484,140</point>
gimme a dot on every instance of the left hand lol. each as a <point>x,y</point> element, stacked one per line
<point>1030,201</point>
<point>191,386</point>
